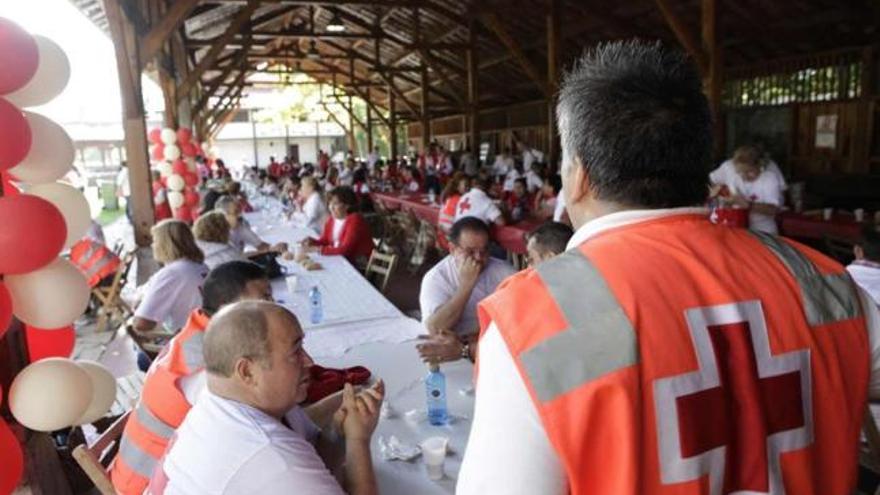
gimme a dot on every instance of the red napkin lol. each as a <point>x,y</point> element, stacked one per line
<point>326,381</point>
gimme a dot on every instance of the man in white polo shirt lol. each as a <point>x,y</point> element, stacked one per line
<point>246,433</point>
<point>476,203</point>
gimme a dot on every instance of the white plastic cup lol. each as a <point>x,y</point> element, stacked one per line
<point>860,214</point>
<point>434,453</point>
<point>826,213</point>
<point>292,281</point>
<point>298,251</point>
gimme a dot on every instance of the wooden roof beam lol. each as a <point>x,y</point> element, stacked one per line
<point>155,38</point>
<point>684,35</point>
<point>491,21</point>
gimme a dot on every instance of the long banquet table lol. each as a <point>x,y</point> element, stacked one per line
<point>799,225</point>
<point>510,237</point>
<point>361,327</point>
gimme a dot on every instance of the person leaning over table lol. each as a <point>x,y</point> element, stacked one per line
<point>662,354</point>
<point>754,186</point>
<point>345,233</point>
<point>477,203</point>
<point>314,212</point>
<point>211,231</point>
<point>241,235</point>
<point>543,243</point>
<point>247,434</point>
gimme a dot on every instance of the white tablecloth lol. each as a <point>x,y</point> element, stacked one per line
<point>361,327</point>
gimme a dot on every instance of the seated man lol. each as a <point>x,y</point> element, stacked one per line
<point>452,289</point>
<point>177,377</point>
<point>865,270</point>
<point>547,241</point>
<point>247,434</point>
<point>477,203</point>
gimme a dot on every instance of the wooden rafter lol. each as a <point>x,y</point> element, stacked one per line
<point>684,35</point>
<point>155,38</point>
<point>491,21</point>
<point>241,18</point>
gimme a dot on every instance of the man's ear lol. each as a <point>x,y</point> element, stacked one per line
<point>580,181</point>
<point>244,371</point>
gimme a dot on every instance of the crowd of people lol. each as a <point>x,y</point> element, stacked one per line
<point>593,362</point>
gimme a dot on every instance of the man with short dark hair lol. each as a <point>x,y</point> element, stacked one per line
<point>547,241</point>
<point>248,434</point>
<point>176,378</point>
<point>477,203</point>
<point>662,353</point>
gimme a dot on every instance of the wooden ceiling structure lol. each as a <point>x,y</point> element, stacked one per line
<point>417,60</point>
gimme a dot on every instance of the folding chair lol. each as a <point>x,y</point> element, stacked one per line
<point>108,298</point>
<point>382,265</point>
<point>95,459</point>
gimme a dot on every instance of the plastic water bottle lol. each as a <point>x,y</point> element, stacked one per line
<point>316,306</point>
<point>435,386</point>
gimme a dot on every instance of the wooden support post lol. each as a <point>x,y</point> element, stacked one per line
<point>169,95</point>
<point>684,35</point>
<point>128,64</point>
<point>392,128</point>
<point>713,81</point>
<point>181,69</point>
<point>553,37</point>
<point>425,113</point>
<point>153,40</point>
<point>369,124</point>
<point>473,100</point>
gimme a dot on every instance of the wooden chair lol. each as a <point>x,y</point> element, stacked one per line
<point>839,248</point>
<point>381,265</point>
<point>108,298</point>
<point>94,459</point>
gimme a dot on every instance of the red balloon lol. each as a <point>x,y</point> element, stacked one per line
<point>7,186</point>
<point>179,167</point>
<point>11,458</point>
<point>158,152</point>
<point>191,179</point>
<point>183,213</point>
<point>32,234</point>
<point>5,313</point>
<point>189,149</point>
<point>190,198</point>
<point>155,135</point>
<point>15,140</point>
<point>184,135</point>
<point>44,343</point>
<point>19,56</point>
<point>163,181</point>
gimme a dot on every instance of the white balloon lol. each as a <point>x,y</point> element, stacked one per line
<point>175,182</point>
<point>51,154</point>
<point>50,297</point>
<point>172,152</point>
<point>50,394</point>
<point>175,199</point>
<point>168,136</point>
<point>72,205</point>
<point>103,392</point>
<point>53,72</point>
<point>164,169</point>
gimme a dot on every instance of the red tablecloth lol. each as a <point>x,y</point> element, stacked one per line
<point>798,225</point>
<point>510,237</point>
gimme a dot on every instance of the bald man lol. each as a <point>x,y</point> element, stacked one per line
<point>246,434</point>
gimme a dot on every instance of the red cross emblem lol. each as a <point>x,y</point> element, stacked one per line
<point>733,417</point>
<point>464,205</point>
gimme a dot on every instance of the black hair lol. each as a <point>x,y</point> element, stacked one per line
<point>346,195</point>
<point>209,201</point>
<point>870,243</point>
<point>634,114</point>
<point>472,224</point>
<point>551,236</point>
<point>225,283</point>
<point>521,181</point>
<point>555,182</point>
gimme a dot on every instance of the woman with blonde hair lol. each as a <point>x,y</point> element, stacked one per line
<point>175,290</point>
<point>211,232</point>
<point>753,185</point>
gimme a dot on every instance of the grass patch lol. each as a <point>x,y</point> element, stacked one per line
<point>109,216</point>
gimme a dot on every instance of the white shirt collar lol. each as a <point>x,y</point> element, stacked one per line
<point>627,217</point>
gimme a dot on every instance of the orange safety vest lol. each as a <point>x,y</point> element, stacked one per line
<point>676,357</point>
<point>94,259</point>
<point>161,409</point>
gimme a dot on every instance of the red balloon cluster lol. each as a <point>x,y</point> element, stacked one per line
<point>183,198</point>
<point>45,343</point>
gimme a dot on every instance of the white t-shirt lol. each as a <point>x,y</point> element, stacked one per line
<point>867,277</point>
<point>533,181</point>
<point>226,447</point>
<point>508,450</point>
<point>530,156</point>
<point>217,253</point>
<point>372,158</point>
<point>441,283</point>
<point>502,165</point>
<point>726,173</point>
<point>765,189</point>
<point>510,179</point>
<point>242,235</point>
<point>314,213</point>
<point>560,207</point>
<point>172,293</point>
<point>338,225</point>
<point>476,203</point>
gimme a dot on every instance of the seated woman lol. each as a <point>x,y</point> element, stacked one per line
<point>234,189</point>
<point>211,231</point>
<point>176,289</point>
<point>314,213</point>
<point>346,233</point>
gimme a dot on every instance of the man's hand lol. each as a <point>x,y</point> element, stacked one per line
<point>439,348</point>
<point>281,247</point>
<point>469,272</point>
<point>359,413</point>
<point>741,201</point>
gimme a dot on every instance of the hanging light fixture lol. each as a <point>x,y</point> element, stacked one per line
<point>335,25</point>
<point>313,51</point>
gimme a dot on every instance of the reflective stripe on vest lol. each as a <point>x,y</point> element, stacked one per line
<point>826,298</point>
<point>192,352</point>
<point>599,339</point>
<point>100,264</point>
<point>136,458</point>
